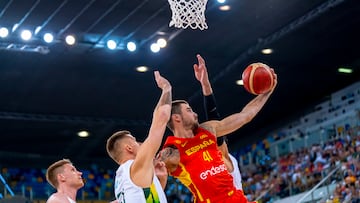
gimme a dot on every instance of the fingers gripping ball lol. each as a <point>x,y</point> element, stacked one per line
<point>257,78</point>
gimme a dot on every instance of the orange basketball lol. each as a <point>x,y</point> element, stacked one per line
<point>257,78</point>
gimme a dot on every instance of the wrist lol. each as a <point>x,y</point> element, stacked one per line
<point>207,90</point>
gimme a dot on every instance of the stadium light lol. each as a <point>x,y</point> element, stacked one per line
<point>70,40</point>
<point>26,35</point>
<point>111,44</point>
<point>155,48</point>
<point>161,42</point>
<point>131,46</point>
<point>48,37</point>
<point>4,32</point>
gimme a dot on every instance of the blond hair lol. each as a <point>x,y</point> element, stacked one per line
<point>53,170</point>
<point>112,142</point>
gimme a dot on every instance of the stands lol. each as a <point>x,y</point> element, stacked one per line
<point>289,162</point>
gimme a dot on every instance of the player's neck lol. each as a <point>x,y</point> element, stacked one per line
<point>183,133</point>
<point>126,157</point>
<point>69,192</point>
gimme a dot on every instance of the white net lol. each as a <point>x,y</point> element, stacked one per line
<point>188,13</point>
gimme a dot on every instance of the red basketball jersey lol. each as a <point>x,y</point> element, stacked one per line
<point>202,170</point>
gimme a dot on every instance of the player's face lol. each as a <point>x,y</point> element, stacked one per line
<point>73,176</point>
<point>190,118</point>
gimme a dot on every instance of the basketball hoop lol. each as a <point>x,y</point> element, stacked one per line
<point>188,13</point>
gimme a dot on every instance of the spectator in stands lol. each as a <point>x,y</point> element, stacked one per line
<point>66,179</point>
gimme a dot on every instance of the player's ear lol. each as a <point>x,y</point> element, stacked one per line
<point>61,177</point>
<point>128,147</point>
<point>176,117</point>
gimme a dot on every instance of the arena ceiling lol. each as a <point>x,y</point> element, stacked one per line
<point>49,92</point>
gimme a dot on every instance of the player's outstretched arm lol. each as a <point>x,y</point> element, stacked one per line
<point>237,120</point>
<point>202,76</point>
<point>142,170</point>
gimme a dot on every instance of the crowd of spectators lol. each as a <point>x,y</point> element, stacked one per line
<point>301,170</point>
<point>270,179</point>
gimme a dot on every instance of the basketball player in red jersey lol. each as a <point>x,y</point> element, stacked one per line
<point>192,155</point>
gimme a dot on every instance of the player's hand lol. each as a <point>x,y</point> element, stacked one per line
<point>200,70</point>
<point>160,168</point>
<point>171,157</point>
<point>162,82</point>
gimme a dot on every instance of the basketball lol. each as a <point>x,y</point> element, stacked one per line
<point>257,78</point>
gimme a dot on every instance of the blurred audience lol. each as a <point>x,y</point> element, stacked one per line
<point>270,179</point>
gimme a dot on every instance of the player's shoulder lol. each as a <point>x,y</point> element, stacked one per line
<point>57,198</point>
<point>209,126</point>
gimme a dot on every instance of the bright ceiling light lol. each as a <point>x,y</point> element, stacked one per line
<point>155,47</point>
<point>26,35</point>
<point>161,42</point>
<point>267,51</point>
<point>83,133</point>
<point>142,69</point>
<point>225,8</point>
<point>4,32</point>
<point>131,46</point>
<point>221,1</point>
<point>111,44</point>
<point>48,37</point>
<point>70,40</point>
<point>240,82</point>
<point>345,70</point>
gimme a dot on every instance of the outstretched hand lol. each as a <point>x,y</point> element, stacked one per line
<point>202,76</point>
<point>162,82</point>
<point>200,71</point>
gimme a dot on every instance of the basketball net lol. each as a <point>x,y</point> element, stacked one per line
<point>188,13</point>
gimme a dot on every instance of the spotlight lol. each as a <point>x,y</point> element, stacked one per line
<point>155,47</point>
<point>48,37</point>
<point>142,69</point>
<point>240,82</point>
<point>83,133</point>
<point>131,46</point>
<point>225,8</point>
<point>26,35</point>
<point>70,40</point>
<point>161,42</point>
<point>267,51</point>
<point>111,44</point>
<point>4,32</point>
<point>221,1</point>
<point>345,70</point>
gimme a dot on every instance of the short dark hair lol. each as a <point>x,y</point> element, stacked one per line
<point>175,109</point>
